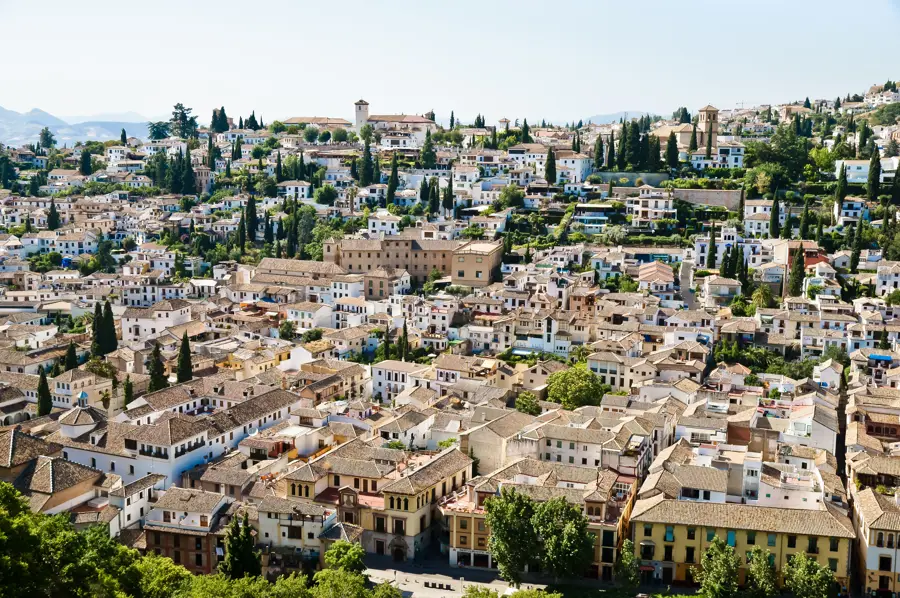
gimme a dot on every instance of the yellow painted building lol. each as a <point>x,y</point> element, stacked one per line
<point>670,536</point>
<point>605,496</point>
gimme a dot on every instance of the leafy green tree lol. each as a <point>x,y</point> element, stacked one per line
<point>159,577</point>
<point>526,402</point>
<point>158,130</point>
<point>310,134</point>
<point>574,387</point>
<point>241,557</point>
<point>874,183</point>
<point>324,136</point>
<point>128,391</point>
<point>287,330</point>
<point>347,556</point>
<point>806,578</point>
<point>567,546</point>
<point>340,136</point>
<point>513,540</point>
<point>386,590</point>
<point>325,195</point>
<point>185,370</point>
<point>71,357</point>
<point>762,581</point>
<point>628,575</point>
<point>45,401</point>
<point>798,273</point>
<point>550,167</point>
<point>718,573</point>
<point>337,583</point>
<point>157,371</point>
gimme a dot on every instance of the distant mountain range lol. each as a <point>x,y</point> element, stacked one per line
<point>603,119</point>
<point>17,128</point>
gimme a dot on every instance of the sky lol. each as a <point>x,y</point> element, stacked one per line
<point>560,60</point>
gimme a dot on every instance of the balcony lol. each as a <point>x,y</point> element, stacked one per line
<point>154,453</point>
<point>191,447</point>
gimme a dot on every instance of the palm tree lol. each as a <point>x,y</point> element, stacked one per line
<point>762,296</point>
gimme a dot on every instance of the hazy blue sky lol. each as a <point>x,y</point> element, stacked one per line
<point>555,59</point>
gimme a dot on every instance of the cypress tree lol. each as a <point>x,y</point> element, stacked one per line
<point>857,247</point>
<point>404,343</point>
<point>187,175</point>
<point>709,140</point>
<point>71,357</point>
<point>434,201</point>
<point>124,137</point>
<point>644,155</point>
<point>279,174</point>
<point>128,390</point>
<point>611,151</point>
<point>787,230</point>
<point>883,343</point>
<point>393,180</point>
<point>774,225</point>
<point>633,157</point>
<point>424,191</point>
<point>428,155</point>
<point>550,167</point>
<point>252,219</point>
<point>526,136</point>
<point>804,221</point>
<point>874,184</point>
<point>97,331</point>
<point>448,198</point>
<point>365,173</point>
<point>711,253</point>
<point>598,153</point>
<point>672,151</point>
<point>819,230</point>
<point>725,268</point>
<point>840,190</point>
<point>157,371</point>
<point>53,216</point>
<point>110,342</point>
<point>798,273</point>
<point>84,163</point>
<point>185,370</point>
<point>621,154</point>
<point>741,207</point>
<point>452,120</point>
<point>268,237</point>
<point>895,190</point>
<point>692,146</point>
<point>242,234</point>
<point>45,401</point>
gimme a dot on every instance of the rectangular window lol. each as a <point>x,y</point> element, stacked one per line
<point>731,537</point>
<point>689,554</point>
<point>710,534</point>
<point>771,541</point>
<point>751,538</point>
<point>833,544</point>
<point>670,534</point>
<point>792,541</point>
<point>648,530</point>
<point>691,533</point>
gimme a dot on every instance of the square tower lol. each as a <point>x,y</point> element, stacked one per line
<point>707,122</point>
<point>362,114</point>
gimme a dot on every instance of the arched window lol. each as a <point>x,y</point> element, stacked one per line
<point>405,504</point>
<point>879,541</point>
<point>293,489</point>
<point>392,502</point>
<point>890,540</point>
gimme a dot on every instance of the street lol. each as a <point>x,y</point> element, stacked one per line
<point>684,281</point>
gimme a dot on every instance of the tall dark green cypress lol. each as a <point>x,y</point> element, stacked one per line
<point>97,331</point>
<point>242,234</point>
<point>185,369</point>
<point>804,221</point>
<point>393,180</point>
<point>774,224</point>
<point>434,201</point>
<point>71,357</point>
<point>692,146</point>
<point>157,371</point>
<point>53,216</point>
<point>857,247</point>
<point>598,153</point>
<point>672,151</point>
<point>873,185</point>
<point>128,391</point>
<point>45,401</point>
<point>611,151</point>
<point>798,273</point>
<point>711,253</point>
<point>251,218</point>
<point>550,167</point>
<point>109,340</point>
